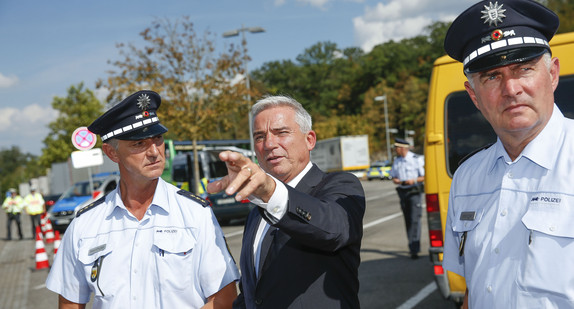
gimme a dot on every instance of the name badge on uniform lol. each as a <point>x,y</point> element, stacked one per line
<point>97,249</point>
<point>468,216</point>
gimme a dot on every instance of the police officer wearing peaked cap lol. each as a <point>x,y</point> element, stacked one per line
<point>146,244</point>
<point>408,174</point>
<point>514,247</point>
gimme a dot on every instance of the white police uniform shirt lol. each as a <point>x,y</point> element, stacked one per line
<point>407,167</point>
<point>518,217</point>
<point>175,257</point>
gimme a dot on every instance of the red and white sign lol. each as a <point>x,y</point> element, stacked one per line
<point>83,139</point>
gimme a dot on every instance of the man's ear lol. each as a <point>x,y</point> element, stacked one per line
<point>471,93</point>
<point>111,152</point>
<point>311,140</point>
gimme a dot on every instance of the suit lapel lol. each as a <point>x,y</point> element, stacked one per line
<point>310,180</point>
<point>249,238</point>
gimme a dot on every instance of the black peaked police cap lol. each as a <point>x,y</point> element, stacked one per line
<point>134,118</point>
<point>490,34</point>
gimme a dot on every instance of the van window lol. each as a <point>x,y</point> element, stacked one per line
<point>180,171</point>
<point>467,130</point>
<point>217,168</point>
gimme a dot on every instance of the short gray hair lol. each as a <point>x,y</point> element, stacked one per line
<point>113,142</point>
<point>302,117</point>
<point>546,57</point>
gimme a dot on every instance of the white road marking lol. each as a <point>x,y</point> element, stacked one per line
<point>240,232</point>
<point>422,294</point>
<point>39,287</point>
<point>381,220</point>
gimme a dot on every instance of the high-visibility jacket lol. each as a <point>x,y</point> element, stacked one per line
<point>13,205</point>
<point>34,204</point>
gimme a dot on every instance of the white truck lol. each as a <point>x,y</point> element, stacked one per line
<point>342,153</point>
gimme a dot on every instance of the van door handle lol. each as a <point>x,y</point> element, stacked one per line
<point>434,138</point>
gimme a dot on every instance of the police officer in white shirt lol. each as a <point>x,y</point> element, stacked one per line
<point>511,207</point>
<point>408,173</point>
<point>146,244</point>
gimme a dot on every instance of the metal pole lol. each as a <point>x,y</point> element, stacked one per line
<point>387,129</point>
<point>91,181</point>
<point>247,87</point>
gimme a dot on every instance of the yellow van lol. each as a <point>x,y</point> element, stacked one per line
<point>455,128</point>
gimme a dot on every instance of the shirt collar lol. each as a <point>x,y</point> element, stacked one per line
<point>542,149</point>
<point>160,198</point>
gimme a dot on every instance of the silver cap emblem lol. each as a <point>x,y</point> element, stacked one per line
<point>493,14</point>
<point>143,101</point>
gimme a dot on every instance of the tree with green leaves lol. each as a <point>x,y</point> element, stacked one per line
<point>17,167</point>
<point>200,99</point>
<point>78,109</point>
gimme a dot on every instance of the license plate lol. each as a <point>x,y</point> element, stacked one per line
<point>62,221</point>
<point>225,201</point>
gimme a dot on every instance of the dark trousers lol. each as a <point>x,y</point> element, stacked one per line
<point>411,205</point>
<point>13,217</point>
<point>36,221</point>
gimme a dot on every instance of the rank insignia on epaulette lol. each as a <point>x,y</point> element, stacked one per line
<point>193,197</point>
<point>90,206</point>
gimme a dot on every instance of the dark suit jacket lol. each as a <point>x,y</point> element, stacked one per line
<point>317,247</point>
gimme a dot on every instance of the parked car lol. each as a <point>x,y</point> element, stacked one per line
<point>50,200</point>
<point>379,170</point>
<point>79,195</point>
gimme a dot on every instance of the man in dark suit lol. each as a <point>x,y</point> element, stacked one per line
<point>301,246</point>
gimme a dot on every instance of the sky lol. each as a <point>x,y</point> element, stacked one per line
<point>48,46</point>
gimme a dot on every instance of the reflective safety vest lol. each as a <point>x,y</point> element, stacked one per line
<point>34,204</point>
<point>13,205</point>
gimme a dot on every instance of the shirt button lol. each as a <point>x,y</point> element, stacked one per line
<point>503,213</point>
<point>489,288</point>
<point>496,250</point>
<point>552,228</point>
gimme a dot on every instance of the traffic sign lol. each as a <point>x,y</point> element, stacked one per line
<point>83,139</point>
<point>87,158</point>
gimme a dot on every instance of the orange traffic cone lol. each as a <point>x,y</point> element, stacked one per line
<point>41,256</point>
<point>49,232</point>
<point>56,242</point>
<point>43,219</point>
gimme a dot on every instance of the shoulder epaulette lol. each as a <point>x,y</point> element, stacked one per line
<point>91,205</point>
<point>193,197</point>
<point>472,153</point>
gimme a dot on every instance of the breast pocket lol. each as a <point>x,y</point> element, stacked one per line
<point>548,267</point>
<point>98,271</point>
<point>174,259</point>
<point>465,222</point>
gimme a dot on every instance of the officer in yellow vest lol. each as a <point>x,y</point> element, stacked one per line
<point>13,206</point>
<point>34,203</point>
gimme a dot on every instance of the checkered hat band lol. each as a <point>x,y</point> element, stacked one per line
<point>129,128</point>
<point>503,43</point>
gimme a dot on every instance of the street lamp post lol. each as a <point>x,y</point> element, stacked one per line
<point>233,33</point>
<point>384,99</point>
<point>409,133</point>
